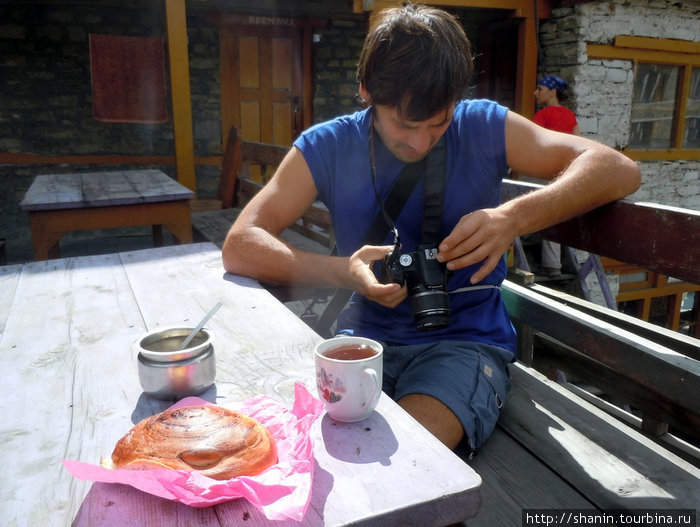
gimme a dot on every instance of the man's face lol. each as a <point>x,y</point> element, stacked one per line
<point>410,141</point>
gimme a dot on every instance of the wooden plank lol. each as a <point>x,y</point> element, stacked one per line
<point>179,67</point>
<point>611,464</point>
<point>651,402</point>
<point>674,288</point>
<point>270,156</point>
<point>665,44</point>
<point>656,237</point>
<point>263,153</point>
<point>49,225</point>
<point>230,165</point>
<point>603,51</point>
<point>23,158</point>
<point>665,337</point>
<point>527,65</point>
<point>518,5</point>
<point>59,361</point>
<point>9,276</point>
<point>213,226</point>
<point>513,479</point>
<point>53,191</point>
<point>670,375</point>
<point>130,186</point>
<point>99,189</point>
<point>247,188</point>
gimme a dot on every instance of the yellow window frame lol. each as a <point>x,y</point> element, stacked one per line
<point>682,53</point>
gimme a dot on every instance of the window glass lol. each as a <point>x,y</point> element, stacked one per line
<point>691,131</point>
<point>653,105</point>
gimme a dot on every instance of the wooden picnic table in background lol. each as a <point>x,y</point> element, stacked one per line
<point>62,203</point>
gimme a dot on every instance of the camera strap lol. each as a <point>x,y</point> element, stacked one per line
<point>389,210</point>
<point>433,195</point>
<point>433,165</point>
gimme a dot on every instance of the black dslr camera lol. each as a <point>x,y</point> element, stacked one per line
<point>426,280</point>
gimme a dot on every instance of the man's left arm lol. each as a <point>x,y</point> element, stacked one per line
<point>585,175</point>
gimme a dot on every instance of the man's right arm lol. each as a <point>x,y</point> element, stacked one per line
<point>253,246</point>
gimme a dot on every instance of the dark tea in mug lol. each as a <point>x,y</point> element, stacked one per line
<point>350,352</point>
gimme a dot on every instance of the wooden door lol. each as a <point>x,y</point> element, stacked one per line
<point>262,82</point>
<point>497,62</point>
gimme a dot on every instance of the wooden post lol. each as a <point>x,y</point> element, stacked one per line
<point>527,66</point>
<point>180,92</point>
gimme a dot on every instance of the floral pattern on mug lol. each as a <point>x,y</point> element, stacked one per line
<point>331,388</point>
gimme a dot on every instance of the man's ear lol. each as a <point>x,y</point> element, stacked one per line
<point>364,95</point>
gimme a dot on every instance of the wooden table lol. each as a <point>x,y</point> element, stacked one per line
<point>71,390</point>
<point>62,203</point>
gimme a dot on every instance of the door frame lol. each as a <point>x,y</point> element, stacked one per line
<point>264,26</point>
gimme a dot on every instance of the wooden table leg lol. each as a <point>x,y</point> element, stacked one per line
<point>178,220</point>
<point>157,236</point>
<point>181,230</point>
<point>44,239</point>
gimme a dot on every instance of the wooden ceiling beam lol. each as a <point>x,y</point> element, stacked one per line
<point>522,8</point>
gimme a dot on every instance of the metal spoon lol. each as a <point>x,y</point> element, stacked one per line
<point>200,325</point>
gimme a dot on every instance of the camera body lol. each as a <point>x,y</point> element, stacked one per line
<point>426,281</point>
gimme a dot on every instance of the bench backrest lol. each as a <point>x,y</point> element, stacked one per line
<point>238,186</point>
<point>654,370</point>
<point>648,235</point>
<point>650,373</point>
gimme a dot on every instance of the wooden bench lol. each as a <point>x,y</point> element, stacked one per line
<point>553,449</point>
<point>246,167</point>
<point>602,441</point>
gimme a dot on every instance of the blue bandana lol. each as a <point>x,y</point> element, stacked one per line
<point>554,83</point>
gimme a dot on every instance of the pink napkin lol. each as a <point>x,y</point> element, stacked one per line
<point>281,492</point>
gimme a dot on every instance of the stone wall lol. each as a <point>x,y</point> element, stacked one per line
<point>601,90</point>
<point>336,53</point>
<point>46,101</point>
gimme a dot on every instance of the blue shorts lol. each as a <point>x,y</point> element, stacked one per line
<point>470,378</point>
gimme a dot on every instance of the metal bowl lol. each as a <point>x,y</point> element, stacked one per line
<point>166,372</point>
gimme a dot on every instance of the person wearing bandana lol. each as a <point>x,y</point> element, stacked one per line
<point>550,92</point>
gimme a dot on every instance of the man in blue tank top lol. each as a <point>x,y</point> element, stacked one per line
<point>414,70</point>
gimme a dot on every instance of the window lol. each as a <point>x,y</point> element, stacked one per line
<point>665,118</point>
<point>691,135</point>
<point>653,106</point>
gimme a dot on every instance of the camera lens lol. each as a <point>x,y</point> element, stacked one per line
<point>431,309</point>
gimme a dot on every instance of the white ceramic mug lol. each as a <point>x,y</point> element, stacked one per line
<point>349,376</point>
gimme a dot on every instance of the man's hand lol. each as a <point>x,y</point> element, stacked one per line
<point>364,280</point>
<point>482,236</point>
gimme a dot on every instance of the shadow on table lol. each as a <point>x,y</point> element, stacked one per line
<point>369,441</point>
<point>147,406</point>
<point>114,505</point>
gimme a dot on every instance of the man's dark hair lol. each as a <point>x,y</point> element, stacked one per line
<point>416,59</point>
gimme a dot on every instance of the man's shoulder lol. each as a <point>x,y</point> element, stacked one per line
<point>470,113</point>
<point>477,105</point>
<point>348,122</point>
